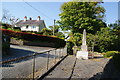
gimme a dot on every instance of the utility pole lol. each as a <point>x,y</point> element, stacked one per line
<point>54,28</point>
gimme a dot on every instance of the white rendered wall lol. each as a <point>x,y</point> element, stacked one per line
<point>30,28</point>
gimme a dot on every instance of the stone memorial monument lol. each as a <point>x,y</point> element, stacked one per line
<point>84,52</point>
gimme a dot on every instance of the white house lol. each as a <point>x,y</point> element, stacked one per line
<point>31,25</point>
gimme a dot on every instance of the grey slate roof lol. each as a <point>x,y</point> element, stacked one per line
<point>35,22</point>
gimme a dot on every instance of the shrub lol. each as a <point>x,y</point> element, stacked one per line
<point>110,53</point>
<point>116,59</point>
<point>69,48</point>
<point>5,44</point>
<point>5,26</point>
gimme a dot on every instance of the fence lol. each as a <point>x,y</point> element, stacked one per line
<point>32,66</point>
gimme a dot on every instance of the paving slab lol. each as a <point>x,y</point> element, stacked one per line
<point>89,68</point>
<point>64,69</point>
<point>72,68</point>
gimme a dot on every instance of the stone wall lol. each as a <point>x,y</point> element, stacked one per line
<point>30,43</point>
<point>14,41</point>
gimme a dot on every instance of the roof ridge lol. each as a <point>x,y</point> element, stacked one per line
<point>38,22</point>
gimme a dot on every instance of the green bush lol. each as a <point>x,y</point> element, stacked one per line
<point>5,47</point>
<point>69,48</point>
<point>5,44</point>
<point>116,59</point>
<point>110,53</point>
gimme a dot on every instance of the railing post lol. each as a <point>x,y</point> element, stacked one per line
<point>48,60</point>
<point>59,53</point>
<point>55,57</point>
<point>34,65</point>
<point>62,51</point>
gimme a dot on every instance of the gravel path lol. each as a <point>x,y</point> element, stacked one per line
<point>71,68</point>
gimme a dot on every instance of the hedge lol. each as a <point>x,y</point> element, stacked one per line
<point>34,37</point>
<point>116,59</point>
<point>5,44</point>
<point>69,47</point>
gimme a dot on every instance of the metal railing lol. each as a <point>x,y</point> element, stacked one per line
<point>91,52</point>
<point>32,66</point>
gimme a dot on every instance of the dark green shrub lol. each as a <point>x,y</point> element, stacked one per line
<point>5,47</point>
<point>116,59</point>
<point>5,26</point>
<point>5,44</point>
<point>69,48</point>
<point>110,53</point>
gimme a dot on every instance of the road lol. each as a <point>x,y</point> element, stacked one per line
<point>24,68</point>
<point>19,51</point>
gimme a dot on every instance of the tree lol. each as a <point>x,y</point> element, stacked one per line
<point>92,40</point>
<point>77,16</point>
<point>13,21</point>
<point>49,32</point>
<point>46,31</point>
<point>56,28</point>
<point>7,19</point>
<point>57,31</point>
<point>104,40</point>
<point>5,16</point>
<point>115,29</point>
<point>75,38</point>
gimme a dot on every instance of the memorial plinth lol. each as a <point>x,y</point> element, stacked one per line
<point>83,54</point>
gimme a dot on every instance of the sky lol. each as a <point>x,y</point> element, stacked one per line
<point>48,11</point>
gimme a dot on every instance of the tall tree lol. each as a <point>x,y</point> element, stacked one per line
<point>76,16</point>
<point>115,29</point>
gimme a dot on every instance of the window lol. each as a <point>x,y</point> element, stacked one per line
<point>34,26</point>
<point>27,26</point>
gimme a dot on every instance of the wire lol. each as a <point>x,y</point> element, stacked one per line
<point>38,11</point>
<point>24,8</point>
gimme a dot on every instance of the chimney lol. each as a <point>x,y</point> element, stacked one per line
<point>25,18</point>
<point>38,18</point>
<point>30,18</point>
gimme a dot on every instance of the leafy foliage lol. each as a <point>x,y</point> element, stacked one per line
<point>116,59</point>
<point>77,16</point>
<point>115,29</point>
<point>75,38</point>
<point>103,40</point>
<point>5,26</point>
<point>69,47</point>
<point>49,32</point>
<point>46,31</point>
<point>110,53</point>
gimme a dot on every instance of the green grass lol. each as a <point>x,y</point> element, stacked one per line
<point>110,54</point>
